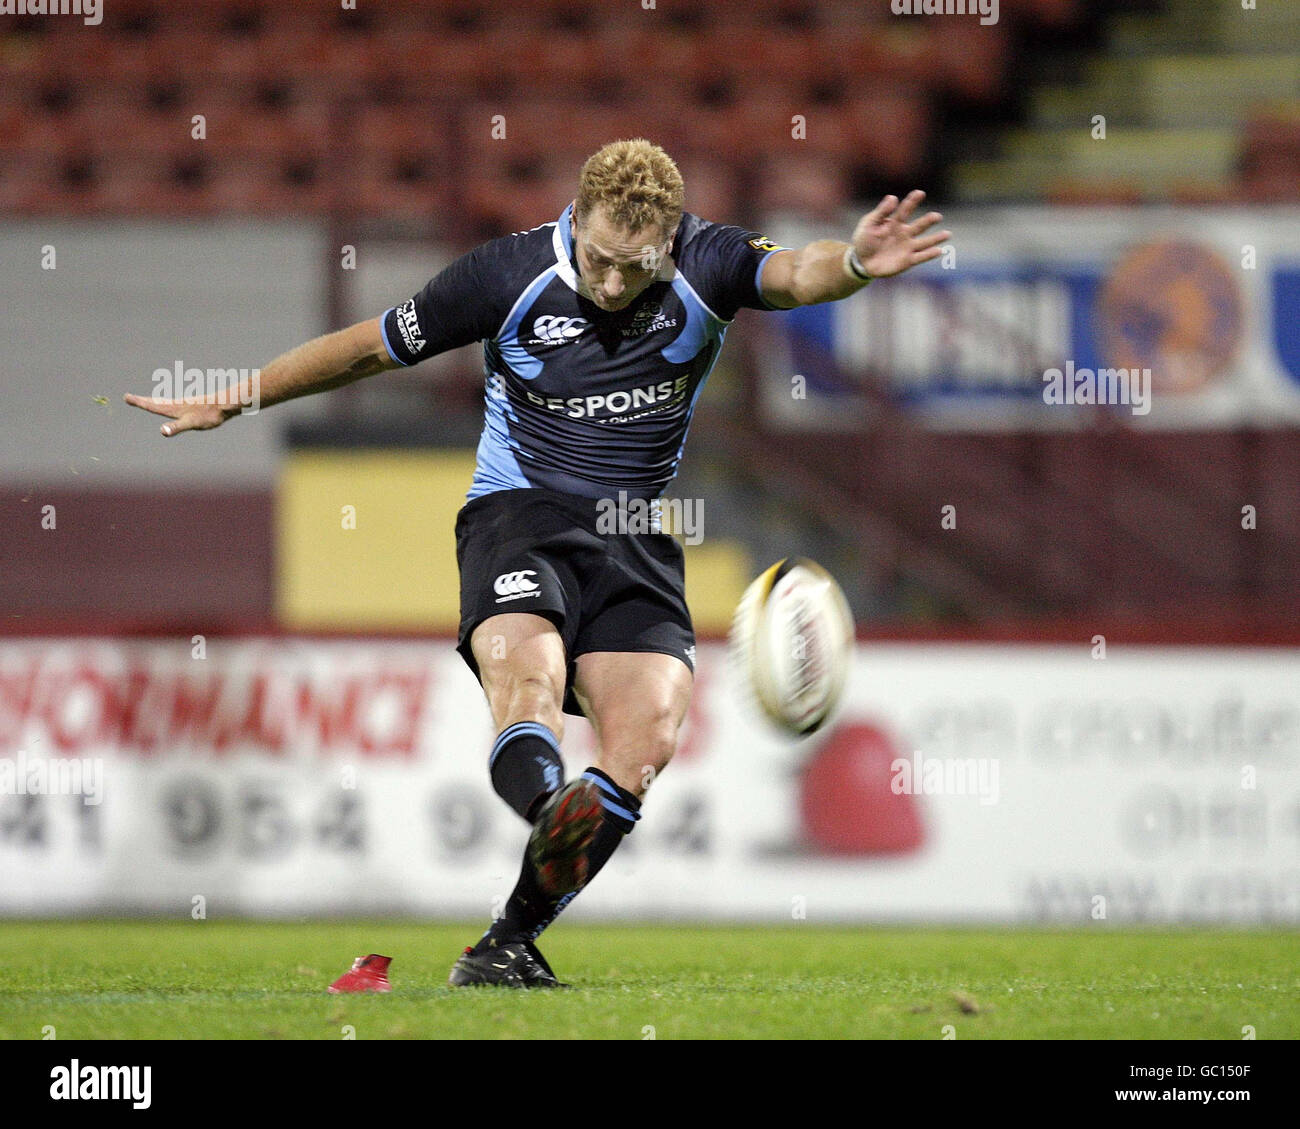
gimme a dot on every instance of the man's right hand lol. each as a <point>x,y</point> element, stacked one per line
<point>183,415</point>
<point>318,365</point>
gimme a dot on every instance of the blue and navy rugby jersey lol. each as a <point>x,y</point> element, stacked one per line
<point>579,399</point>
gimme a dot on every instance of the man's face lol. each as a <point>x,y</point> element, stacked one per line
<point>616,264</point>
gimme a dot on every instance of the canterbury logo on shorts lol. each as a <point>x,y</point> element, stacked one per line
<point>515,586</point>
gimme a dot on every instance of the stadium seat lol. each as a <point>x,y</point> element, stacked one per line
<point>971,66</point>
<point>711,189</point>
<point>562,65</point>
<point>808,186</point>
<point>853,54</point>
<point>1269,158</point>
<point>13,125</point>
<point>496,208</point>
<point>431,62</point>
<point>279,85</point>
<point>891,130</point>
<point>399,131</point>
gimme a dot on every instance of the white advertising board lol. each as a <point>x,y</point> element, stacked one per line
<point>960,782</point>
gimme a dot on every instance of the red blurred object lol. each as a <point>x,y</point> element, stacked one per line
<point>368,974</point>
<point>845,799</point>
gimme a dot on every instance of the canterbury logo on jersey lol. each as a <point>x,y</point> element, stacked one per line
<point>556,330</point>
<point>515,585</point>
<point>408,325</point>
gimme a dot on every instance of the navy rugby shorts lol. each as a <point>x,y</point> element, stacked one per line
<point>539,551</point>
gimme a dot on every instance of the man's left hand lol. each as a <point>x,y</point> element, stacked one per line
<point>887,241</point>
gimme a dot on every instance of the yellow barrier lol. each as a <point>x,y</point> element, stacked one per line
<point>365,541</point>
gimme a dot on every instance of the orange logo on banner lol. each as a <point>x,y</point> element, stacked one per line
<point>1173,307</point>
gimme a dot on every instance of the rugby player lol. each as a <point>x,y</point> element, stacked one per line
<point>599,331</point>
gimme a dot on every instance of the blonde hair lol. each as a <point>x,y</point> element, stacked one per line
<point>637,183</point>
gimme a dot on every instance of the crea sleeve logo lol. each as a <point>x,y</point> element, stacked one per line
<point>408,324</point>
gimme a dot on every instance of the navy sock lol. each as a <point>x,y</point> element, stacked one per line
<point>526,766</point>
<point>529,909</point>
<point>622,810</point>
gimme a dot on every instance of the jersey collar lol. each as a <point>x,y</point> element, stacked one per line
<point>565,267</point>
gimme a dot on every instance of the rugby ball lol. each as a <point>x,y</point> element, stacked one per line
<point>791,644</point>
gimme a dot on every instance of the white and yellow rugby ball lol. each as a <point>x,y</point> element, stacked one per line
<point>791,644</point>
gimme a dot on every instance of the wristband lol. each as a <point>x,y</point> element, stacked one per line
<point>853,265</point>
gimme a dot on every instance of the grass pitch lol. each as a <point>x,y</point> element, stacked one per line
<point>252,980</point>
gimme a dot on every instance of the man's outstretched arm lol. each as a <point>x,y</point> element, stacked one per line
<point>887,241</point>
<point>318,365</point>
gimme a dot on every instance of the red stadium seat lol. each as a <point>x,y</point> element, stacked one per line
<point>971,65</point>
<point>785,126</point>
<point>852,55</point>
<point>496,208</point>
<point>57,134</point>
<point>425,133</point>
<point>560,66</point>
<point>372,191</point>
<point>814,187</point>
<point>426,78</point>
<point>82,58</point>
<point>438,63</point>
<point>710,187</point>
<point>891,130</point>
<point>1270,158</point>
<point>14,124</point>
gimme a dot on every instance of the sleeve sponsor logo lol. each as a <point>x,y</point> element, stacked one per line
<point>408,325</point>
<point>763,243</point>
